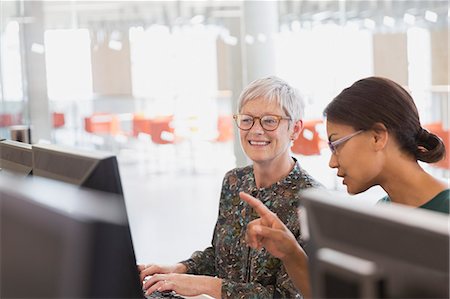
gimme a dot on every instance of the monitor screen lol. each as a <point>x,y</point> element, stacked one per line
<point>16,157</point>
<point>62,241</point>
<point>91,169</point>
<point>358,250</point>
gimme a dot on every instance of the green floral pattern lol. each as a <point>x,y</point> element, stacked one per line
<point>248,273</point>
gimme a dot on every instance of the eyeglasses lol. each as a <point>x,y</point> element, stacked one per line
<point>334,144</point>
<point>268,122</point>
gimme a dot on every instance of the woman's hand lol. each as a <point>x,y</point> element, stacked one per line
<point>184,284</point>
<point>147,270</point>
<point>268,231</point>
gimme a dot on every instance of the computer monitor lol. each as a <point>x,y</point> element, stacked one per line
<point>91,169</point>
<point>16,157</point>
<point>357,250</point>
<point>62,241</point>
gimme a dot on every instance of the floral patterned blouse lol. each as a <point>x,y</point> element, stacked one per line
<point>245,272</point>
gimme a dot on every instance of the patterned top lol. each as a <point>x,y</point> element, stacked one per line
<point>245,272</point>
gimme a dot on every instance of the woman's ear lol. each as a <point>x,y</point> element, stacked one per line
<point>297,129</point>
<point>380,136</point>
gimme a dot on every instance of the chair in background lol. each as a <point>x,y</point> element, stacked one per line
<point>102,129</point>
<point>10,119</point>
<point>102,123</point>
<point>152,136</point>
<point>58,120</point>
<point>225,128</point>
<point>308,142</point>
<point>162,131</point>
<point>141,124</point>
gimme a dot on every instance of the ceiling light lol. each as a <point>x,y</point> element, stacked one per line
<point>37,48</point>
<point>369,23</point>
<point>389,21</point>
<point>198,19</point>
<point>409,19</point>
<point>249,39</point>
<point>296,26</point>
<point>431,16</point>
<point>262,38</point>
<point>115,45</point>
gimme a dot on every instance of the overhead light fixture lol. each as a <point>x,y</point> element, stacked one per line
<point>37,48</point>
<point>198,19</point>
<point>389,21</point>
<point>296,26</point>
<point>227,38</point>
<point>115,45</point>
<point>409,19</point>
<point>115,40</point>
<point>369,23</point>
<point>262,38</point>
<point>431,16</point>
<point>249,39</point>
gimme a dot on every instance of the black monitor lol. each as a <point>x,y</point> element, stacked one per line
<point>62,241</point>
<point>358,250</point>
<point>16,157</point>
<point>91,169</point>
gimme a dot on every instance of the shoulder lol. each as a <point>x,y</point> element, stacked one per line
<point>439,203</point>
<point>238,173</point>
<point>304,180</point>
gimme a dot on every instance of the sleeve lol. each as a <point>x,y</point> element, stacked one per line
<point>201,262</point>
<point>204,262</point>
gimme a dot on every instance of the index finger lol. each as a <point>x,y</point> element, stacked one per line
<point>259,207</point>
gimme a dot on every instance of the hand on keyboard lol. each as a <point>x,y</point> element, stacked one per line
<point>165,294</point>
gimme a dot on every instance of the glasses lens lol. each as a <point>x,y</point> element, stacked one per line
<point>244,122</point>
<point>269,122</point>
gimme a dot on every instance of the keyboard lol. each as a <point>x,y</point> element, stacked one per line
<point>164,295</point>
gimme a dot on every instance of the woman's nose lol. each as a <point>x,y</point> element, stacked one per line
<point>257,128</point>
<point>333,163</point>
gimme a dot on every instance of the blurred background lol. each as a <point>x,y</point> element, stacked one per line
<point>156,83</point>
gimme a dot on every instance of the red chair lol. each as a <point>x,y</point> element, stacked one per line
<point>439,130</point>
<point>141,124</point>
<point>58,120</point>
<point>6,120</point>
<point>102,123</point>
<point>225,128</point>
<point>308,142</point>
<point>9,119</point>
<point>162,131</point>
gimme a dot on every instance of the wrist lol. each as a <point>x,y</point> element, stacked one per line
<point>215,288</point>
<point>296,256</point>
<point>180,268</point>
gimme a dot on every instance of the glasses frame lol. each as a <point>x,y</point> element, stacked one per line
<point>334,144</point>
<point>278,117</point>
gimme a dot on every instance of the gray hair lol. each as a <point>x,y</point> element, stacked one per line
<point>274,89</point>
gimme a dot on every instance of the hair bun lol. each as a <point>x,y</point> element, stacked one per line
<point>423,135</point>
<point>430,147</point>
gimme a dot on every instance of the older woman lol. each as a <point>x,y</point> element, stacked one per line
<point>269,118</point>
<point>375,138</point>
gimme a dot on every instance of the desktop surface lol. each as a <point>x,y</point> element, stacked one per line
<point>16,157</point>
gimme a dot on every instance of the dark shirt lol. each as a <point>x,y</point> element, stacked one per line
<point>247,273</point>
<point>439,203</point>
